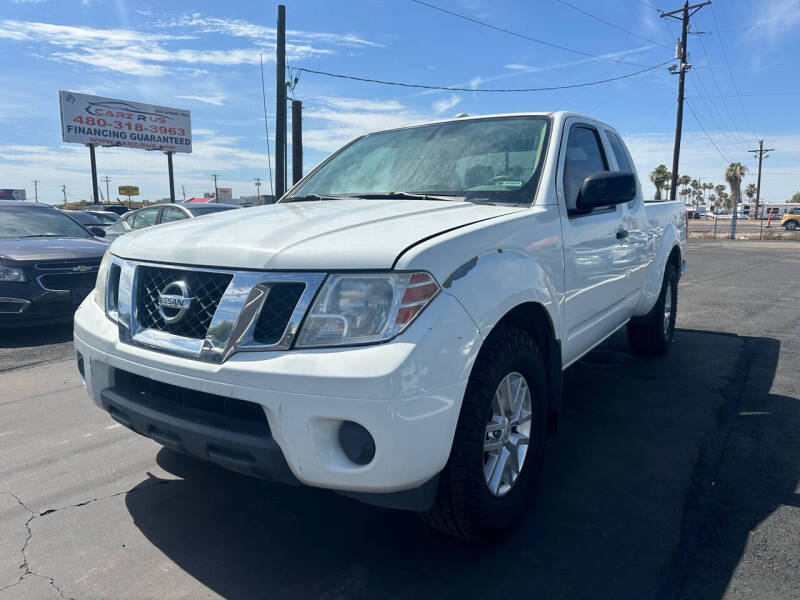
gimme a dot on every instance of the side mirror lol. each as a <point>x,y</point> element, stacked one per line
<point>606,188</point>
<point>97,231</point>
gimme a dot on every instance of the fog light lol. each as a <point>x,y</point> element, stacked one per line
<point>356,442</point>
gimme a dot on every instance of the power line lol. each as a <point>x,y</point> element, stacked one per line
<point>524,36</point>
<point>648,5</point>
<point>730,139</point>
<point>484,90</point>
<point>751,95</point>
<point>719,91</point>
<point>730,71</point>
<point>713,143</point>
<point>614,25</point>
<point>266,127</point>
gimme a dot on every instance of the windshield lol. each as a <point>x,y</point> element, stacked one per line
<point>208,208</point>
<point>493,160</point>
<point>26,222</point>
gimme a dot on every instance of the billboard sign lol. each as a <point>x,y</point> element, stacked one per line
<point>102,121</point>
<point>224,194</point>
<point>6,194</point>
<point>128,190</point>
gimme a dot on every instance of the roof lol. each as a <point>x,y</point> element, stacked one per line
<point>198,200</point>
<point>23,204</point>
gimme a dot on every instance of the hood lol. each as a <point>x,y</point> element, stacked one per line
<point>32,250</point>
<point>326,235</point>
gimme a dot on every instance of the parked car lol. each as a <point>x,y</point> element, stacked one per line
<point>162,213</point>
<point>396,327</point>
<point>791,220</point>
<point>91,219</point>
<point>106,216</point>
<point>48,264</point>
<point>117,209</point>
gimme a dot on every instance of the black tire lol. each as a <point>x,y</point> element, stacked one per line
<point>646,335</point>
<point>791,225</point>
<point>464,506</point>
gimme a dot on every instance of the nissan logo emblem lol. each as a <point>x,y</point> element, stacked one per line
<point>173,301</point>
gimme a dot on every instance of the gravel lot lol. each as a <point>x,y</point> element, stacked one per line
<point>674,477</point>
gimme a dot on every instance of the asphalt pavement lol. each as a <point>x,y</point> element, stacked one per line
<point>673,477</point>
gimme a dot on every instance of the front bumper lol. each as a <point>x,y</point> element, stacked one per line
<point>23,304</point>
<point>407,394</point>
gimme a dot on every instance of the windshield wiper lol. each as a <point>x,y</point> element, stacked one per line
<point>410,196</point>
<point>312,197</point>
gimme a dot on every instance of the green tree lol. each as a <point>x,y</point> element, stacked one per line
<point>734,175</point>
<point>660,178</point>
<point>795,198</point>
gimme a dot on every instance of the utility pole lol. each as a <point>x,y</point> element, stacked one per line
<point>257,181</point>
<point>686,12</point>
<point>36,190</point>
<point>216,190</point>
<point>106,179</point>
<point>183,189</point>
<point>280,105</point>
<point>297,141</point>
<point>64,191</point>
<point>762,154</point>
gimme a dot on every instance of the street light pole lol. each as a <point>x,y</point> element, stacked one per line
<point>258,189</point>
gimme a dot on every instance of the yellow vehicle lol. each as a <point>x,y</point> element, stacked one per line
<point>791,220</point>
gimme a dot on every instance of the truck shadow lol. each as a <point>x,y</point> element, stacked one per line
<point>626,507</point>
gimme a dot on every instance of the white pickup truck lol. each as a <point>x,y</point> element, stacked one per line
<point>396,327</point>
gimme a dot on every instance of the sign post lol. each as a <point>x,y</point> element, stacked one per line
<point>171,178</point>
<point>95,199</point>
<point>128,190</point>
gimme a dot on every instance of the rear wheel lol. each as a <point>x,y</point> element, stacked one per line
<point>652,334</point>
<point>494,463</point>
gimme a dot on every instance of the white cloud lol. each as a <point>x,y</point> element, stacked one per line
<point>334,121</point>
<point>241,28</point>
<point>446,104</point>
<point>153,54</point>
<point>699,159</point>
<point>213,99</point>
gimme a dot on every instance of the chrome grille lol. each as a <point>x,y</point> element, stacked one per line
<point>205,287</point>
<point>277,310</point>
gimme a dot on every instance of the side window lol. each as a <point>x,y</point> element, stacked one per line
<point>584,156</point>
<point>618,147</point>
<point>171,213</point>
<point>145,218</point>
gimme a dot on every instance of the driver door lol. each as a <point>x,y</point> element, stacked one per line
<point>595,246</point>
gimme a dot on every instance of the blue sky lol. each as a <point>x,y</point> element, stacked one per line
<point>204,56</point>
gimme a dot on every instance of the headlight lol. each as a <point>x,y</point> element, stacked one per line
<point>364,308</point>
<point>11,274</point>
<point>102,281</point>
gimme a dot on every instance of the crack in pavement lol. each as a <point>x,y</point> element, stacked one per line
<point>26,567</point>
<point>27,570</point>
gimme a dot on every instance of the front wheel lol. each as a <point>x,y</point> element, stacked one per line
<point>791,225</point>
<point>488,483</point>
<point>652,334</point>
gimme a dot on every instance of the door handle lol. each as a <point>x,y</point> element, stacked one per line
<point>622,234</point>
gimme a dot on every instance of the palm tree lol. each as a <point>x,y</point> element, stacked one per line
<point>660,176</point>
<point>734,175</point>
<point>707,186</point>
<point>750,192</point>
<point>720,189</point>
<point>684,180</point>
